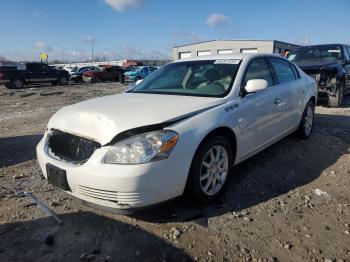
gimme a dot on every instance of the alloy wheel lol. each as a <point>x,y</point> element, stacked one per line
<point>18,83</point>
<point>214,169</point>
<point>308,120</point>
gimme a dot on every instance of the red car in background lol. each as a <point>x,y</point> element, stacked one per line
<point>104,73</point>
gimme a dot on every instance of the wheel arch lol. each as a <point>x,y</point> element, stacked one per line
<point>24,82</point>
<point>18,77</point>
<point>222,131</point>
<point>313,100</point>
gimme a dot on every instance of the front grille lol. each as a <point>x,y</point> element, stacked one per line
<point>71,148</point>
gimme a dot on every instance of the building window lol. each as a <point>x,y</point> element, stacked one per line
<point>249,50</point>
<point>278,50</point>
<point>202,53</point>
<point>225,51</point>
<point>183,55</point>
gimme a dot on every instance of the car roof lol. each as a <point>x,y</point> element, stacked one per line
<point>227,56</point>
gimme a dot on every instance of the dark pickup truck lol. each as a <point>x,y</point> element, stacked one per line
<point>16,76</point>
<point>329,65</point>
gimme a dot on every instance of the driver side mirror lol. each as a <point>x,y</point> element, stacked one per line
<point>256,85</point>
<point>138,81</point>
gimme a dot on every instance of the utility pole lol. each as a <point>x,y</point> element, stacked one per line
<point>92,50</point>
<point>76,54</point>
<point>306,39</point>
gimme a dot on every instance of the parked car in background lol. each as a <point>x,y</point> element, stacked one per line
<point>180,129</point>
<point>77,76</point>
<point>329,65</point>
<point>128,64</point>
<point>19,75</point>
<point>138,73</point>
<point>104,73</point>
<point>129,68</point>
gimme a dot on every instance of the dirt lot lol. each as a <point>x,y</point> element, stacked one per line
<point>289,203</point>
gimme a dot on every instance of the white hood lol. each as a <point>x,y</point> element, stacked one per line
<point>103,118</point>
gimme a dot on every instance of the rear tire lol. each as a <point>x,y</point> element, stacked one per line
<point>210,170</point>
<point>337,100</point>
<point>307,121</point>
<point>63,80</point>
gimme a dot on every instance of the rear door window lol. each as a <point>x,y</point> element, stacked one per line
<point>295,70</point>
<point>33,67</point>
<point>283,70</point>
<point>258,69</point>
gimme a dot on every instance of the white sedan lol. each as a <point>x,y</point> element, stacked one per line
<point>180,129</point>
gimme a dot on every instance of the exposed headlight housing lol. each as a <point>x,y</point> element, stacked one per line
<point>317,77</point>
<point>142,148</point>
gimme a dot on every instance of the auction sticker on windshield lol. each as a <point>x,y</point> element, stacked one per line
<point>291,57</point>
<point>227,61</point>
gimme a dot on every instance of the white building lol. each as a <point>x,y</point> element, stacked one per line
<point>231,46</point>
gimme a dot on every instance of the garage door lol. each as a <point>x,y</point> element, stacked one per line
<point>249,50</point>
<point>183,55</point>
<point>202,53</point>
<point>225,51</point>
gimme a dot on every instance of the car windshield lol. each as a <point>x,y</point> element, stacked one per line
<point>83,69</point>
<point>212,78</point>
<point>315,53</point>
<point>134,69</point>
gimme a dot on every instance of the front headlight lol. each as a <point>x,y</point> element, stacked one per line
<point>142,148</point>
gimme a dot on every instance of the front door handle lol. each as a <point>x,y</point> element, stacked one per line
<point>278,101</point>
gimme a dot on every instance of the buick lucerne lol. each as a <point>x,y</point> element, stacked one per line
<point>181,129</point>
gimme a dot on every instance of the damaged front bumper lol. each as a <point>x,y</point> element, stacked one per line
<point>120,186</point>
<point>326,86</point>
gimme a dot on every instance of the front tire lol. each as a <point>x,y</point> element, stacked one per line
<point>210,170</point>
<point>337,99</point>
<point>307,121</point>
<point>17,83</point>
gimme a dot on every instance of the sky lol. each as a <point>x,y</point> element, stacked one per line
<point>125,29</point>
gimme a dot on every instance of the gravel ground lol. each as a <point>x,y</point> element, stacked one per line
<point>291,202</point>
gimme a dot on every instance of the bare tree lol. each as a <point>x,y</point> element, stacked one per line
<point>2,59</point>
